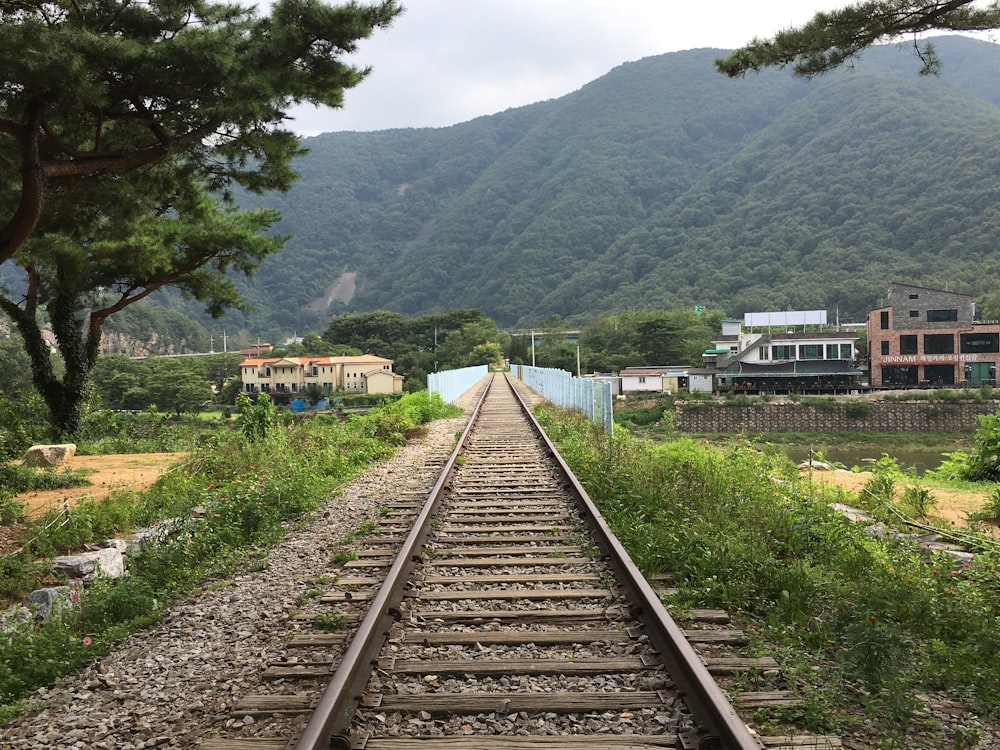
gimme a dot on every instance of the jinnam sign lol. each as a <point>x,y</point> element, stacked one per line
<point>908,359</point>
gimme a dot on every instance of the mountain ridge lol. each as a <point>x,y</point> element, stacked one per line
<point>660,184</point>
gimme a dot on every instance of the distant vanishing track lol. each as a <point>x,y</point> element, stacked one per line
<point>502,614</point>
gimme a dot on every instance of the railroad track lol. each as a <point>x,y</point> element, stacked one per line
<point>500,614</point>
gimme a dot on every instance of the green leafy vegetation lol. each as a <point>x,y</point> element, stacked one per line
<point>835,37</point>
<point>246,487</point>
<point>330,622</point>
<point>19,478</point>
<point>737,529</point>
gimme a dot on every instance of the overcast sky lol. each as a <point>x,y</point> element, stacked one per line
<point>447,61</point>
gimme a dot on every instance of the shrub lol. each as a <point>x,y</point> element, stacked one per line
<point>918,500</point>
<point>19,478</point>
<point>256,418</point>
<point>857,409</point>
<point>19,573</point>
<point>12,510</point>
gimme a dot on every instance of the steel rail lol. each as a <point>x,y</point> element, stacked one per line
<point>708,704</point>
<point>329,725</point>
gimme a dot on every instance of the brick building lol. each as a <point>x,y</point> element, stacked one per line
<point>930,337</point>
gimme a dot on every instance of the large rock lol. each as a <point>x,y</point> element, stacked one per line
<point>44,602</point>
<point>49,455</point>
<point>106,562</point>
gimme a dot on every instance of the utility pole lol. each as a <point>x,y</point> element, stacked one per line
<point>532,348</point>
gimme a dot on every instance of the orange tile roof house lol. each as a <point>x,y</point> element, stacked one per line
<point>285,377</point>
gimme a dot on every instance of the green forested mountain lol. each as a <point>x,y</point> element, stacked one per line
<point>662,184</point>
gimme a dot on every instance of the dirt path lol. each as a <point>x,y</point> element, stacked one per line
<point>952,506</point>
<point>135,471</point>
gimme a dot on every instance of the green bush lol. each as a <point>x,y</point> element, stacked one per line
<point>983,463</point>
<point>256,418</point>
<point>18,478</point>
<point>918,500</point>
<point>12,510</point>
<point>19,573</point>
<point>857,409</point>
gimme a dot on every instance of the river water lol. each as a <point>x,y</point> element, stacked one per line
<point>850,456</point>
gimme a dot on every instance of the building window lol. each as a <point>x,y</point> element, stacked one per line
<point>942,316</point>
<point>885,347</point>
<point>913,296</point>
<point>846,351</point>
<point>810,351</point>
<point>642,379</point>
<point>914,313</point>
<point>763,353</point>
<point>939,343</point>
<point>971,343</point>
<point>832,351</point>
<point>939,374</point>
<point>783,352</point>
<point>899,375</point>
<point>908,344</point>
<point>884,320</point>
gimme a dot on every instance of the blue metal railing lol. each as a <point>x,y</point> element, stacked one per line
<point>453,383</point>
<point>591,397</point>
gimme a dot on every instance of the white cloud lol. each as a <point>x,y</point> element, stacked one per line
<point>448,61</point>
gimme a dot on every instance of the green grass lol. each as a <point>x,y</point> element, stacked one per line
<point>18,478</point>
<point>932,441</point>
<point>738,530</point>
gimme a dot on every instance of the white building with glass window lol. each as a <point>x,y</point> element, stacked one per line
<point>766,360</point>
<point>653,379</point>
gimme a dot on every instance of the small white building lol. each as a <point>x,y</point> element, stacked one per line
<point>701,380</point>
<point>653,379</point>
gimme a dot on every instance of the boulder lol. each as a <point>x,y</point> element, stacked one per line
<point>44,602</point>
<point>106,562</point>
<point>815,466</point>
<point>49,455</point>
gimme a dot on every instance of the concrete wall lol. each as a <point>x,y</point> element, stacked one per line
<point>881,416</point>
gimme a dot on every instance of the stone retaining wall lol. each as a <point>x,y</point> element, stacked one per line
<point>875,416</point>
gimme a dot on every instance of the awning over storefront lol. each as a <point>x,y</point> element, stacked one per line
<point>817,368</point>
